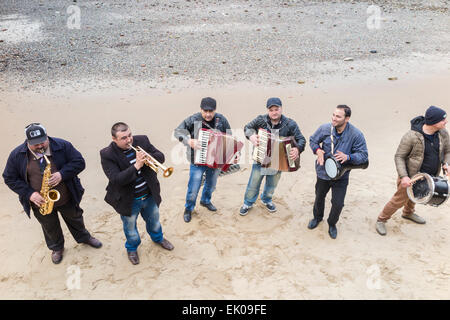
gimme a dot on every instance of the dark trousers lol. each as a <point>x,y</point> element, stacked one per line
<point>73,217</point>
<point>338,190</point>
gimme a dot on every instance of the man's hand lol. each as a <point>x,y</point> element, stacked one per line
<point>254,139</point>
<point>294,153</point>
<point>140,160</point>
<point>320,153</point>
<point>446,168</point>
<point>55,179</point>
<point>37,199</point>
<point>194,144</point>
<point>405,182</point>
<point>238,156</point>
<point>340,156</point>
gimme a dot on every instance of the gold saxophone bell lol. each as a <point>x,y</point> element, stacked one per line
<point>153,163</point>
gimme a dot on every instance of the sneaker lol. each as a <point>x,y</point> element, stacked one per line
<point>381,228</point>
<point>414,217</point>
<point>244,209</point>
<point>270,206</point>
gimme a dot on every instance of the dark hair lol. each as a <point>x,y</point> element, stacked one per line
<point>347,110</point>
<point>118,126</point>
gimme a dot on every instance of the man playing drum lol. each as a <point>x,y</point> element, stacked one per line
<point>344,142</point>
<point>424,149</point>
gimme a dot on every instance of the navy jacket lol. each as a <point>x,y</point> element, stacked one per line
<point>67,159</point>
<point>122,175</point>
<point>351,142</point>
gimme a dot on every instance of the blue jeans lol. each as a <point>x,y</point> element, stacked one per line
<point>150,213</point>
<point>254,184</point>
<point>195,180</point>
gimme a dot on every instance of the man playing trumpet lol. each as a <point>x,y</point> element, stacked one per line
<point>133,186</point>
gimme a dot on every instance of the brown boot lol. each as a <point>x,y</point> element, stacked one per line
<point>133,257</point>
<point>166,244</point>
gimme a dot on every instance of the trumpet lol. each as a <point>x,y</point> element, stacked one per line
<point>153,163</point>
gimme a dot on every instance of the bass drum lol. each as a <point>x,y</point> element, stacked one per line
<point>427,189</point>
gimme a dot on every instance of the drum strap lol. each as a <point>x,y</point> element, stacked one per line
<point>332,140</point>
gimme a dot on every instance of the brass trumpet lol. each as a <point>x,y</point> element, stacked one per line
<point>153,163</point>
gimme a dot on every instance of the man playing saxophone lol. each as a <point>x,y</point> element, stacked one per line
<point>43,165</point>
<point>133,186</point>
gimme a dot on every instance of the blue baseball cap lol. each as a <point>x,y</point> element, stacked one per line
<point>273,102</point>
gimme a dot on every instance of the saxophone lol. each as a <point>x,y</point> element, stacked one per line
<point>49,195</point>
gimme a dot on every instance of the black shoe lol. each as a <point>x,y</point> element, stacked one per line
<point>313,223</point>
<point>57,256</point>
<point>332,231</point>
<point>133,257</point>
<point>209,206</point>
<point>95,243</point>
<point>187,215</point>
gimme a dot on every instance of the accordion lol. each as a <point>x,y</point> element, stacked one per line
<point>273,152</point>
<point>218,150</point>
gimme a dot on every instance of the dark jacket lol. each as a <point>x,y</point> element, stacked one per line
<point>122,175</point>
<point>285,128</point>
<point>351,142</point>
<point>188,129</point>
<point>410,151</point>
<point>67,159</point>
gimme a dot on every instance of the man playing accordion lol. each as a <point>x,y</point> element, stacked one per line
<point>273,124</point>
<point>188,133</point>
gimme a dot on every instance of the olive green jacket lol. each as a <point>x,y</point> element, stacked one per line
<point>410,152</point>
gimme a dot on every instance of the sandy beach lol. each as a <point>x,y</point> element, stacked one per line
<point>223,255</point>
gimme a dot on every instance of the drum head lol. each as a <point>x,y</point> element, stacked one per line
<point>331,168</point>
<point>422,190</point>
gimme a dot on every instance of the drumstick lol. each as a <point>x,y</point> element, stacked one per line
<point>416,179</point>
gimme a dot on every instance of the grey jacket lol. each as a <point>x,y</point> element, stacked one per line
<point>285,128</point>
<point>189,127</point>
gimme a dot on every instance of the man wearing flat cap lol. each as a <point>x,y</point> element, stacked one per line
<point>187,133</point>
<point>425,148</point>
<point>24,172</point>
<point>278,124</point>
